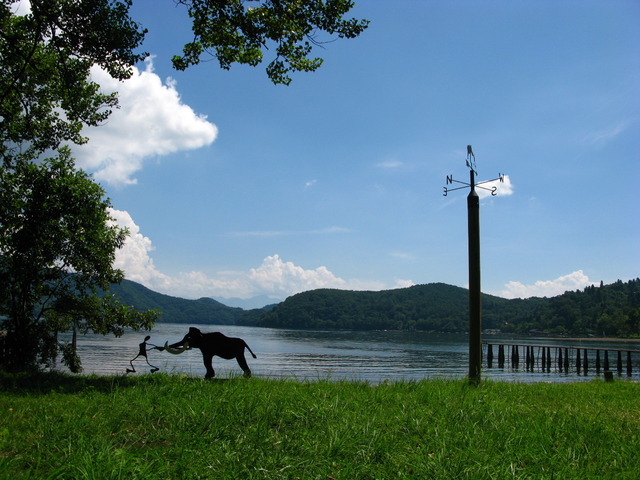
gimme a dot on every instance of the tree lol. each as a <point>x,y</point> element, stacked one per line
<point>46,95</point>
<point>57,245</point>
<point>239,31</point>
<point>57,242</point>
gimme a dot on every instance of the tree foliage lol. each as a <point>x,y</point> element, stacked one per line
<point>239,31</point>
<point>46,95</point>
<point>57,246</point>
<point>57,242</point>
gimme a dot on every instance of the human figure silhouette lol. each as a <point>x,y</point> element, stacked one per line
<point>143,353</point>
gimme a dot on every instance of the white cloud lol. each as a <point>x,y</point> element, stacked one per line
<point>404,283</point>
<point>605,135</point>
<point>134,257</point>
<point>151,121</point>
<point>275,278</point>
<point>282,233</point>
<point>401,255</point>
<point>502,186</point>
<point>282,279</point>
<point>21,7</point>
<point>390,164</point>
<point>547,288</point>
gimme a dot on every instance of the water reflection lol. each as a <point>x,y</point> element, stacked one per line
<point>369,356</point>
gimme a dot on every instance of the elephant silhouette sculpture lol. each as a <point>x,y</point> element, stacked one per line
<point>213,344</point>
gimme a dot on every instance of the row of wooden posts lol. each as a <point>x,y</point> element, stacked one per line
<point>560,359</point>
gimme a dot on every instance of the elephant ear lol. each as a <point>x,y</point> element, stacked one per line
<point>176,351</point>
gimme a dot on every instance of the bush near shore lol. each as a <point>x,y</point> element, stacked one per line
<point>170,427</point>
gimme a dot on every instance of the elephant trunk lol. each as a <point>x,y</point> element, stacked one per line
<point>176,348</point>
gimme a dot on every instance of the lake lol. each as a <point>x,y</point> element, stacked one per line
<point>374,357</point>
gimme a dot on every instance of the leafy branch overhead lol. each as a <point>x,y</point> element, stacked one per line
<point>239,31</point>
<point>45,57</point>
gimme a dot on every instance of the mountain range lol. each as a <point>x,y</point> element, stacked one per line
<point>612,310</point>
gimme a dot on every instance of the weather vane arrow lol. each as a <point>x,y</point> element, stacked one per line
<point>471,163</point>
<point>475,298</point>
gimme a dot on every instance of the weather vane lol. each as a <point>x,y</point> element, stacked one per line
<point>475,299</point>
<point>471,163</point>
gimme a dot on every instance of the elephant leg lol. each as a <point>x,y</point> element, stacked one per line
<point>207,359</point>
<point>243,365</point>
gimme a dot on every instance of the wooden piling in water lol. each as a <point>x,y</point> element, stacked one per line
<point>489,355</point>
<point>560,360</point>
<point>544,357</point>
<point>549,359</point>
<point>619,363</point>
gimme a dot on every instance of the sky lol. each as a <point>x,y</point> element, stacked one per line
<point>235,188</point>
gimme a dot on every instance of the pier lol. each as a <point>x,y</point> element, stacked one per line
<point>578,360</point>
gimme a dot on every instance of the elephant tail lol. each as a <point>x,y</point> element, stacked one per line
<point>247,346</point>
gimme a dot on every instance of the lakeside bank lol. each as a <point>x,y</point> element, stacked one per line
<point>163,426</point>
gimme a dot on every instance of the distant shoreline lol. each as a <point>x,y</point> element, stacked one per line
<point>599,339</point>
<point>574,339</point>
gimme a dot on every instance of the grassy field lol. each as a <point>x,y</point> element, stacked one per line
<point>171,427</point>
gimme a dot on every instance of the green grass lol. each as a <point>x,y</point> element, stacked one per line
<point>171,427</point>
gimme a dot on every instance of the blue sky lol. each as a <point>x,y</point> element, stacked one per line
<point>233,187</point>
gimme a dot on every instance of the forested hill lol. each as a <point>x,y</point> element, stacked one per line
<point>435,306</point>
<point>606,310</point>
<point>612,310</point>
<point>180,310</point>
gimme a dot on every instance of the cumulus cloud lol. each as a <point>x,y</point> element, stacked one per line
<point>134,257</point>
<point>274,277</point>
<point>151,121</point>
<point>404,283</point>
<point>547,288</point>
<point>277,276</point>
<point>503,187</point>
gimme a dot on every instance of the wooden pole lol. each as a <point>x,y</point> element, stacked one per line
<point>585,362</point>
<point>489,355</point>
<point>560,359</point>
<point>548,359</point>
<point>619,363</point>
<point>475,306</point>
<point>578,360</point>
